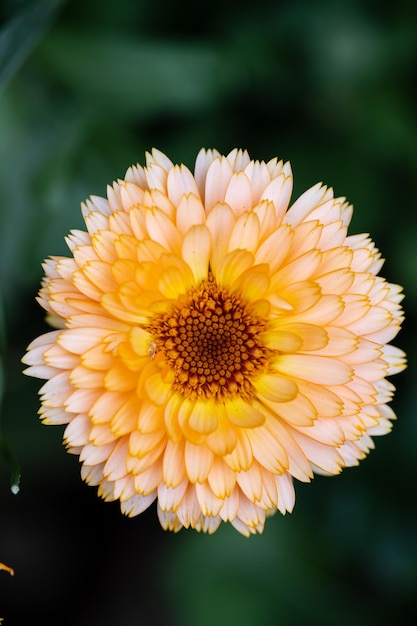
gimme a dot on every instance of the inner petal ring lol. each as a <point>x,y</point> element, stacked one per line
<point>211,340</point>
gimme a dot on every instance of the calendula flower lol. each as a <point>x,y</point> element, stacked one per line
<point>212,344</point>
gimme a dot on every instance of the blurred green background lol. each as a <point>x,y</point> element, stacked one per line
<point>86,88</point>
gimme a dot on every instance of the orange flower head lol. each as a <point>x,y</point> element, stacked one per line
<point>212,344</point>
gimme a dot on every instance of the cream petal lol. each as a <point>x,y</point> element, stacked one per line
<point>136,174</point>
<point>328,211</point>
<point>84,378</point>
<point>218,176</point>
<point>189,510</point>
<point>115,466</point>
<point>265,212</point>
<point>269,497</point>
<point>326,402</point>
<point>78,430</point>
<point>170,498</point>
<point>333,235</point>
<point>79,340</point>
<point>239,193</point>
<point>220,222</point>
<point>173,467</point>
<point>297,462</point>
<point>259,176</point>
<point>125,419</point>
<point>92,474</point>
<point>396,359</point>
<point>327,309</point>
<point>324,430</point>
<point>299,411</point>
<point>286,493</point>
<point>306,203</point>
<point>316,369</point>
<point>47,339</point>
<point>180,182</point>
<point>137,504</point>
<point>245,233</point>
<point>230,506</point>
<point>275,248</point>
<point>190,212</point>
<point>198,461</point>
<point>241,456</point>
<point>279,192</point>
<point>54,416</point>
<point>312,337</point>
<point>158,157</point>
<point>169,520</point>
<point>306,238</point>
<point>251,482</point>
<point>326,458</point>
<point>251,515</point>
<point>162,230</point>
<point>298,270</point>
<point>93,455</point>
<point>141,444</point>
<point>148,481</point>
<point>210,505</point>
<point>239,159</point>
<point>268,451</point>
<point>130,194</point>
<point>124,488</point>
<point>202,163</point>
<point>94,221</point>
<point>104,406</point>
<point>221,478</point>
<point>156,177</point>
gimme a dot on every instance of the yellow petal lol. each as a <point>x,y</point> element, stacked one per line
<point>196,247</point>
<point>276,388</point>
<point>6,568</point>
<point>253,284</point>
<point>282,340</point>
<point>231,266</point>
<point>157,390</point>
<point>240,413</point>
<point>203,417</point>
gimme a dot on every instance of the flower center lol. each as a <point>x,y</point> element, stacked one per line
<point>212,342</point>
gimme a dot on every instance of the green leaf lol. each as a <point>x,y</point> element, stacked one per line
<point>21,34</point>
<point>131,76</point>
